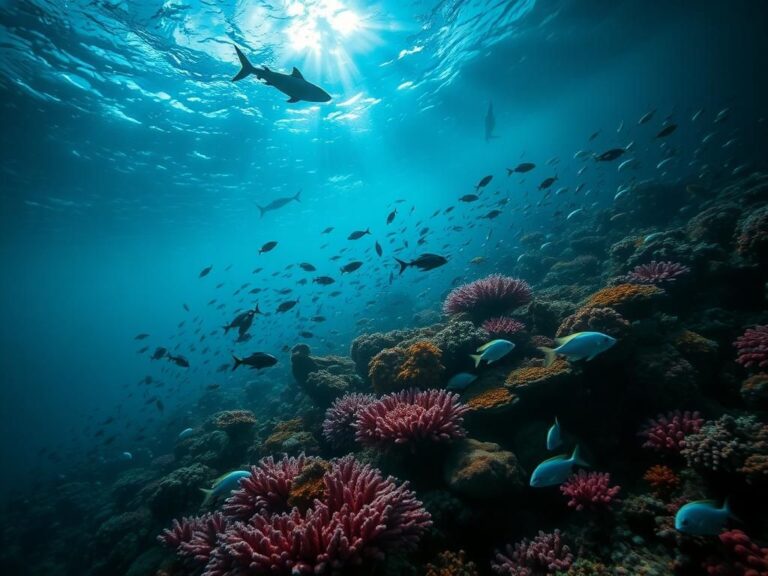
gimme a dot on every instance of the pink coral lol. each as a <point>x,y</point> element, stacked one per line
<point>545,554</point>
<point>338,426</point>
<point>361,515</point>
<point>747,558</point>
<point>657,273</point>
<point>752,348</point>
<point>491,296</point>
<point>502,327</point>
<point>195,538</point>
<point>589,490</point>
<point>667,432</point>
<point>411,416</point>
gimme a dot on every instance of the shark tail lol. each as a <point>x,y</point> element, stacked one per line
<point>403,265</point>
<point>246,68</point>
<point>298,196</point>
<point>237,361</point>
<point>549,355</point>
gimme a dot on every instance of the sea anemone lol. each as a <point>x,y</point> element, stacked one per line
<point>657,273</point>
<point>488,297</point>
<point>502,327</point>
<point>338,426</point>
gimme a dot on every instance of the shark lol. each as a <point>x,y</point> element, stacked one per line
<point>279,203</point>
<point>293,84</point>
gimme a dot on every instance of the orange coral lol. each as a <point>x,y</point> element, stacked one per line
<point>623,295</point>
<point>289,436</point>
<point>384,368</point>
<point>452,564</point>
<point>662,479</point>
<point>308,485</point>
<point>492,399</point>
<point>422,367</point>
<point>533,375</point>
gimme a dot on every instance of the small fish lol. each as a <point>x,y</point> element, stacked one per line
<point>268,247</point>
<point>307,267</point>
<point>224,484</point>
<point>327,230</point>
<point>461,381</point>
<point>140,336</point>
<point>666,131</point>
<point>424,262</point>
<point>664,163</point>
<point>391,217</point>
<point>179,360</point>
<point>491,215</point>
<point>205,271</point>
<point>287,305</point>
<point>492,351</point>
<point>554,441</point>
<point>646,117</point>
<point>278,203</point>
<point>594,135</point>
<point>323,280</point>
<point>469,198</point>
<point>578,346</point>
<point>547,182</point>
<point>626,164</point>
<point>377,246</point>
<point>351,267</point>
<point>521,168</point>
<point>186,433</point>
<point>702,518</point>
<point>574,213</point>
<point>257,360</point>
<point>318,318</point>
<point>610,155</point>
<point>697,114</point>
<point>484,181</point>
<point>651,237</point>
<point>306,334</point>
<point>556,470</point>
<point>722,115</point>
<point>357,234</point>
<point>127,456</point>
<point>478,260</point>
<point>159,353</point>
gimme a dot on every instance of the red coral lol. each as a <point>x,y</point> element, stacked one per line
<point>338,426</point>
<point>411,416</point>
<point>667,432</point>
<point>194,538</point>
<point>488,297</point>
<point>502,327</point>
<point>361,515</point>
<point>747,558</point>
<point>752,348</point>
<point>545,554</point>
<point>657,273</point>
<point>589,490</point>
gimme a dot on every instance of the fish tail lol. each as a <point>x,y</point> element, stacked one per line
<point>367,230</point>
<point>298,196</point>
<point>577,457</point>
<point>261,210</point>
<point>246,68</point>
<point>510,171</point>
<point>549,355</point>
<point>237,360</point>
<point>208,495</point>
<point>477,358</point>
<point>256,310</point>
<point>403,265</point>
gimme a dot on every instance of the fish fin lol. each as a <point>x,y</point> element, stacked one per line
<point>485,346</point>
<point>477,358</point>
<point>403,265</point>
<point>510,171</point>
<point>566,339</point>
<point>577,458</point>
<point>292,99</point>
<point>558,457</point>
<point>549,355</point>
<point>298,196</point>
<point>256,310</point>
<point>208,495</point>
<point>296,74</point>
<point>592,356</point>
<point>246,68</point>
<point>261,210</point>
<point>237,360</point>
<point>727,510</point>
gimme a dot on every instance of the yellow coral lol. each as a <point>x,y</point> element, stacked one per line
<point>528,375</point>
<point>308,486</point>
<point>452,564</point>
<point>421,367</point>
<point>491,399</point>
<point>622,295</point>
<point>384,368</point>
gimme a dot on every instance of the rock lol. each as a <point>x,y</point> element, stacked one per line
<point>482,469</point>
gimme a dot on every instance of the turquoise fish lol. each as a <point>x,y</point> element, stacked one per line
<point>555,471</point>
<point>578,346</point>
<point>224,484</point>
<point>461,381</point>
<point>554,441</point>
<point>702,518</point>
<point>492,351</point>
<point>186,433</point>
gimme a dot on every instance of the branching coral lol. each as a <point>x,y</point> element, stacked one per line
<point>605,320</point>
<point>488,297</point>
<point>502,327</point>
<point>589,490</point>
<point>624,296</point>
<point>452,564</point>
<point>746,558</point>
<point>536,375</point>
<point>752,348</point>
<point>754,391</point>
<point>657,273</point>
<point>421,366</point>
<point>662,479</point>
<point>338,426</point>
<point>725,444</point>
<point>411,416</point>
<point>667,432</point>
<point>545,555</point>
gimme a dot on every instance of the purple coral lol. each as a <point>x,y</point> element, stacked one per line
<point>657,272</point>
<point>502,327</point>
<point>491,296</point>
<point>338,426</point>
<point>411,416</point>
<point>728,444</point>
<point>545,554</point>
<point>589,490</point>
<point>752,348</point>
<point>667,432</point>
<point>361,515</point>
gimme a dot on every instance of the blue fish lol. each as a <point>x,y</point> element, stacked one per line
<point>578,346</point>
<point>186,433</point>
<point>225,484</point>
<point>492,351</point>
<point>702,518</point>
<point>461,381</point>
<point>555,471</point>
<point>554,441</point>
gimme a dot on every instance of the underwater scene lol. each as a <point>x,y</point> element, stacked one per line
<point>389,288</point>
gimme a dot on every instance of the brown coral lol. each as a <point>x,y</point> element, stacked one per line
<point>491,400</point>
<point>535,375</point>
<point>605,320</point>
<point>308,486</point>
<point>234,422</point>
<point>452,564</point>
<point>624,297</point>
<point>290,437</point>
<point>662,479</point>
<point>421,367</point>
<point>384,368</point>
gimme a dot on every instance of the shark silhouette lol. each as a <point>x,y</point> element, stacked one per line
<point>292,84</point>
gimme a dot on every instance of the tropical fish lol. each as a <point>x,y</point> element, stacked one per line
<point>278,203</point>
<point>205,271</point>
<point>159,352</point>
<point>323,280</point>
<point>578,346</point>
<point>610,155</point>
<point>186,433</point>
<point>484,181</point>
<point>307,267</point>
<point>356,235</point>
<point>469,198</point>
<point>554,441</point>
<point>492,351</point>
<point>646,117</point>
<point>351,267</point>
<point>391,216</point>
<point>424,262</point>
<point>327,230</point>
<point>547,182</point>
<point>287,305</point>
<point>224,484</point>
<point>461,381</point>
<point>521,168</point>
<point>555,470</point>
<point>179,360</point>
<point>667,130</point>
<point>702,518</point>
<point>379,251</point>
<point>268,246</point>
<point>257,360</point>
<point>140,336</point>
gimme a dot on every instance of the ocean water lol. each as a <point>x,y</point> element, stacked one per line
<point>131,163</point>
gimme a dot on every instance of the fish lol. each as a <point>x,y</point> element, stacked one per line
<point>141,336</point>
<point>327,230</point>
<point>268,246</point>
<point>666,131</point>
<point>490,123</point>
<point>461,381</point>
<point>306,334</point>
<point>159,353</point>
<point>484,181</point>
<point>722,116</point>
<point>224,484</point>
<point>696,114</point>
<point>651,237</point>
<point>574,213</point>
<point>351,267</point>
<point>702,518</point>
<point>469,198</point>
<point>318,318</point>
<point>646,117</point>
<point>578,346</point>
<point>521,168</point>
<point>257,360</point>
<point>179,360</point>
<point>323,280</point>
<point>357,234</point>
<point>491,215</point>
<point>424,262</point>
<point>243,320</point>
<point>205,271</point>
<point>278,203</point>
<point>127,456</point>
<point>556,470</point>
<point>293,85</point>
<point>378,249</point>
<point>391,217</point>
<point>554,441</point>
<point>287,305</point>
<point>546,183</point>
<point>307,267</point>
<point>186,433</point>
<point>610,155</point>
<point>492,351</point>
<point>594,135</point>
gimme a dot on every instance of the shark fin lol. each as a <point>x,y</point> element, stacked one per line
<point>246,68</point>
<point>296,73</point>
<point>293,99</point>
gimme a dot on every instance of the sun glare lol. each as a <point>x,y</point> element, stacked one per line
<point>320,25</point>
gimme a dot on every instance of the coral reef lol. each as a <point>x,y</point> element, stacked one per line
<point>490,400</point>
<point>667,432</point>
<point>323,378</point>
<point>503,327</point>
<point>384,369</point>
<point>662,479</point>
<point>289,437</point>
<point>421,366</point>
<point>725,444</point>
<point>605,320</point>
<point>482,469</point>
<point>488,297</point>
<point>657,273</point>
<point>589,490</point>
<point>752,348</point>
<point>452,564</point>
<point>754,391</point>
<point>745,558</point>
<point>338,426</point>
<point>546,554</point>
<point>625,298</point>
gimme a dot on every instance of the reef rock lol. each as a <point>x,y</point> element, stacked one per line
<point>323,378</point>
<point>482,469</point>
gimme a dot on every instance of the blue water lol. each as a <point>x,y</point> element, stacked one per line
<point>130,162</point>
